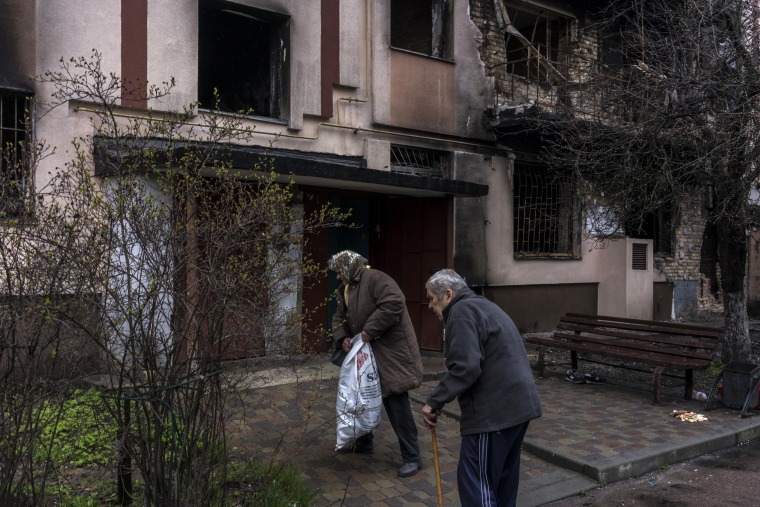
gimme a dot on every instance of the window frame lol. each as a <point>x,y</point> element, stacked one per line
<point>277,28</point>
<point>551,64</point>
<point>419,161</point>
<point>21,129</point>
<point>441,40</point>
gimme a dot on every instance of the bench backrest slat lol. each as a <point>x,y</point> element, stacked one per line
<point>690,352</point>
<point>654,358</point>
<point>643,325</point>
<point>708,343</point>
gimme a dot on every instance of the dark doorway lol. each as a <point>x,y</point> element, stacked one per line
<point>404,237</point>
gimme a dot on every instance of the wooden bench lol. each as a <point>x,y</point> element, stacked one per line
<point>660,344</point>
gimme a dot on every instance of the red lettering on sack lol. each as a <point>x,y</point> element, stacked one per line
<point>361,357</point>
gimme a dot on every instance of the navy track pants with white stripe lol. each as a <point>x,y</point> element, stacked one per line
<point>488,474</point>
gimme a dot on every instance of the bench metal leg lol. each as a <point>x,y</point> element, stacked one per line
<point>541,361</point>
<point>574,360</point>
<point>656,385</point>
<point>689,389</point>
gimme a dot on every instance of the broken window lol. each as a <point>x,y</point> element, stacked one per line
<point>242,54</point>
<point>546,213</point>
<point>657,226</point>
<point>14,123</point>
<point>419,162</point>
<point>535,42</point>
<point>420,26</point>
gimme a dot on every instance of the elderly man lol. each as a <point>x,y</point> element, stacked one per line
<point>371,303</point>
<point>489,374</point>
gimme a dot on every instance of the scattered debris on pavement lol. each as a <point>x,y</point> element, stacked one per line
<point>685,415</point>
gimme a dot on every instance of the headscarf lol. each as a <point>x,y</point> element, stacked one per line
<point>347,264</point>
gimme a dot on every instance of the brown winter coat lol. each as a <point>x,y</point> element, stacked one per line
<point>377,306</point>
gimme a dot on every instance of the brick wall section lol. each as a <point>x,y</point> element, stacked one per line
<point>687,247</point>
<point>493,51</point>
<point>691,250</point>
<point>575,60</point>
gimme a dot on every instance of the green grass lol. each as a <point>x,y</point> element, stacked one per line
<point>79,433</point>
<point>715,368</point>
<point>76,433</point>
<point>255,484</point>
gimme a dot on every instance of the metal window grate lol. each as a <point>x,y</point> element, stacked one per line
<point>639,256</point>
<point>419,162</point>
<point>545,213</point>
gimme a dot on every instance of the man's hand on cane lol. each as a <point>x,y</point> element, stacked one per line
<point>430,416</point>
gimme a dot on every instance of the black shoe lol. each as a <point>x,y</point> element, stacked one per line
<point>409,469</point>
<point>357,450</point>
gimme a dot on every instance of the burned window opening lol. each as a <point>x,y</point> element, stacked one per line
<point>242,54</point>
<point>535,43</point>
<point>419,162</point>
<point>657,226</point>
<point>15,110</point>
<point>420,26</point>
<point>546,213</point>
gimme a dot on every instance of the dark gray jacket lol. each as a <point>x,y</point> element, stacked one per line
<point>488,368</point>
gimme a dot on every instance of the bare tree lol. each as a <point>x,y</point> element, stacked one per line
<point>668,113</point>
<point>169,260</point>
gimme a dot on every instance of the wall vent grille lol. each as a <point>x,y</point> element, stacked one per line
<point>639,260</point>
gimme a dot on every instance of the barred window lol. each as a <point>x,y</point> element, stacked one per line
<point>419,162</point>
<point>546,213</point>
<point>14,108</point>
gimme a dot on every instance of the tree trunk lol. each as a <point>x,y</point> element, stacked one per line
<point>733,261</point>
<point>736,342</point>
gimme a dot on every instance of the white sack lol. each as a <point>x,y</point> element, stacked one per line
<point>359,395</point>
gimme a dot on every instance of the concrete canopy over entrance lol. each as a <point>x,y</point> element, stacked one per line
<point>403,222</point>
<point>308,168</point>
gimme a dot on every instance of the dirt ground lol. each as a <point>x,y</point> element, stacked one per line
<point>724,478</point>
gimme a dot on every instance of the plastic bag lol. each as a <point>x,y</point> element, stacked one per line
<point>359,395</point>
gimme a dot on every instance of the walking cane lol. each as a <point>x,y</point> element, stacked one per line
<point>437,467</point>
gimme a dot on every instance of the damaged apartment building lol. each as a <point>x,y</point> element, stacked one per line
<point>539,54</point>
<point>406,113</point>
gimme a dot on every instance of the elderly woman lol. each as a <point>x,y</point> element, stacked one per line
<point>371,303</point>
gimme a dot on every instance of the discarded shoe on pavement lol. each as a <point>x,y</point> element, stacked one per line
<point>593,378</point>
<point>575,377</point>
